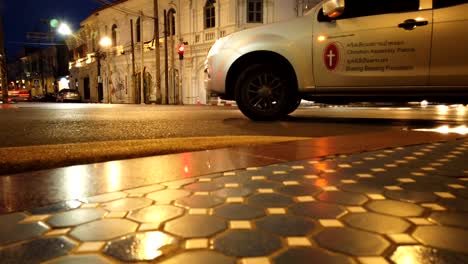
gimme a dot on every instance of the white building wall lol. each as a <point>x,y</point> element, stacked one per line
<point>188,80</point>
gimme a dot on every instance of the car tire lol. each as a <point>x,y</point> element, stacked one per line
<point>294,106</point>
<point>265,93</point>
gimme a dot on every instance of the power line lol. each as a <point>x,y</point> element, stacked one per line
<point>124,10</point>
<point>37,43</point>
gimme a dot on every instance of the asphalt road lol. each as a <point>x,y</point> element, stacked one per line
<point>51,123</point>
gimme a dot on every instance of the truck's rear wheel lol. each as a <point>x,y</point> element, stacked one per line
<point>264,92</point>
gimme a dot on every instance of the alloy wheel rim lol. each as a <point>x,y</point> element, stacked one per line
<point>265,92</point>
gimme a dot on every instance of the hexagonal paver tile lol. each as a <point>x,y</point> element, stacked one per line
<point>267,200</point>
<point>423,255</point>
<point>285,225</point>
<point>238,212</point>
<point>233,192</point>
<point>103,229</point>
<point>195,226</point>
<point>455,204</point>
<point>395,208</point>
<point>411,196</point>
<point>247,243</point>
<point>127,204</point>
<point>457,219</point>
<point>300,190</point>
<point>262,184</point>
<point>344,198</point>
<point>146,189</point>
<point>199,201</point>
<point>76,217</point>
<point>318,210</point>
<point>102,198</point>
<point>11,231</point>
<point>141,246</point>
<point>78,259</point>
<point>443,237</point>
<point>36,251</point>
<point>233,179</point>
<point>178,183</point>
<point>156,214</point>
<point>379,223</point>
<point>304,255</point>
<point>167,196</point>
<point>201,257</point>
<point>362,187</point>
<point>203,186</point>
<point>57,207</point>
<point>352,242</point>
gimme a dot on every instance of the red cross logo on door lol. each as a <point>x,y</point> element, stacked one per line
<point>331,56</point>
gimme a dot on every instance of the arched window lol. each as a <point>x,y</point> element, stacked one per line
<point>171,22</point>
<point>254,11</point>
<point>114,35</point>
<point>138,29</point>
<point>210,15</point>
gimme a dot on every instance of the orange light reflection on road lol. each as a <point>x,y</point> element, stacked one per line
<point>461,130</point>
<point>114,177</point>
<point>75,183</point>
<point>7,192</point>
<point>321,166</point>
<point>321,183</point>
<point>186,157</point>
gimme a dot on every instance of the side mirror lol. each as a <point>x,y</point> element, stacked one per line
<point>333,8</point>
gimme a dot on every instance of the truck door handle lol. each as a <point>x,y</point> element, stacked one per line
<point>411,24</point>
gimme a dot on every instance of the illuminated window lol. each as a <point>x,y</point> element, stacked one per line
<point>210,15</point>
<point>254,11</point>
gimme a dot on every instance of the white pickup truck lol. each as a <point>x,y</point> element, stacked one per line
<point>346,51</point>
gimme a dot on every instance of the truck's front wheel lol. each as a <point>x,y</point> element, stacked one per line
<point>264,92</point>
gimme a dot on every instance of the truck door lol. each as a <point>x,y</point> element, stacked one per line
<point>449,62</point>
<point>374,43</point>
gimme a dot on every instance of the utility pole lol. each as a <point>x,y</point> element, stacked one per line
<point>157,52</point>
<point>142,76</point>
<point>166,67</point>
<point>136,95</point>
<point>171,26</point>
<point>3,65</point>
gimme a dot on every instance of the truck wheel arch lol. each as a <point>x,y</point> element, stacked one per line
<point>256,57</point>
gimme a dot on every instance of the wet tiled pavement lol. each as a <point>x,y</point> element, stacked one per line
<point>395,205</point>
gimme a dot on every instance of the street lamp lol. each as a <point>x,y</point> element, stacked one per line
<point>105,42</point>
<point>64,29</point>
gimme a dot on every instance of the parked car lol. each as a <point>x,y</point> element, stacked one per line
<point>49,97</point>
<point>68,95</point>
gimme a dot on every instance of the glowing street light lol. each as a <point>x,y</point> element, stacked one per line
<point>105,42</point>
<point>64,29</point>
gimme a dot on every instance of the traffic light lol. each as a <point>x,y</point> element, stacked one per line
<point>181,51</point>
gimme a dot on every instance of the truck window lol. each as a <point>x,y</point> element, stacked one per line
<point>360,8</point>
<point>447,3</point>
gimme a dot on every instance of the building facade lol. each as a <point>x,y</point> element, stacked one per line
<point>40,69</point>
<point>125,72</point>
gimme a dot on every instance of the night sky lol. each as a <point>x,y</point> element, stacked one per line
<point>21,16</point>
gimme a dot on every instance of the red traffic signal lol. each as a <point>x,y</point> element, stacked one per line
<point>181,51</point>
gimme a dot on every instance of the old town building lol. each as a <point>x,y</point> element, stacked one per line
<point>126,71</point>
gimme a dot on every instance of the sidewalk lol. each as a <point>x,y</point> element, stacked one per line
<point>370,198</point>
